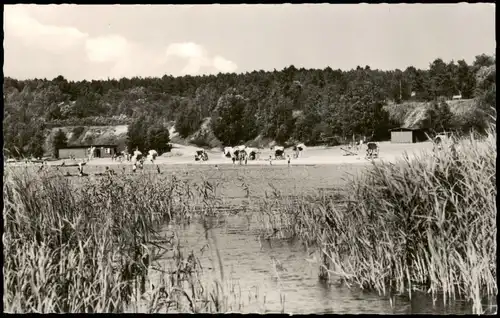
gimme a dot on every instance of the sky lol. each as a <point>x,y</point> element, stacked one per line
<point>113,41</point>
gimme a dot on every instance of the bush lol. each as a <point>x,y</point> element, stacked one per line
<point>77,132</point>
<point>200,141</point>
<point>59,141</point>
<point>205,139</point>
<point>188,121</point>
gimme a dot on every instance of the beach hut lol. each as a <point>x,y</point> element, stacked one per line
<point>407,135</point>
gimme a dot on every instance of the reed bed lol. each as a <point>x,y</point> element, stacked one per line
<point>90,246</point>
<point>423,224</point>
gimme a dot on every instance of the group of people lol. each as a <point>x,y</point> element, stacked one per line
<point>120,156</point>
<point>357,144</point>
<point>243,153</point>
<point>271,160</point>
<point>108,171</point>
<point>241,159</point>
<point>137,158</point>
<point>239,153</point>
<point>201,155</point>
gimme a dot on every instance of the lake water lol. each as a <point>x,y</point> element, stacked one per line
<point>249,264</point>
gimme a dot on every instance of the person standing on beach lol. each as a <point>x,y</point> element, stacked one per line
<point>80,170</point>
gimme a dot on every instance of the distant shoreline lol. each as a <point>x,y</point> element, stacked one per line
<point>313,156</point>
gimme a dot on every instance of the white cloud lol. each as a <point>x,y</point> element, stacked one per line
<point>138,60</point>
<point>187,50</point>
<point>223,65</point>
<point>198,58</point>
<point>122,57</point>
<point>30,32</point>
<point>106,48</point>
<point>195,54</point>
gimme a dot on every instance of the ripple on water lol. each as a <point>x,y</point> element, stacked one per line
<point>249,263</point>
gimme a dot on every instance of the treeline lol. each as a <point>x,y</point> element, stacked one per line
<point>309,105</point>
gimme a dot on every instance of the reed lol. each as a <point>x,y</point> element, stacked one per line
<point>428,223</point>
<point>91,245</point>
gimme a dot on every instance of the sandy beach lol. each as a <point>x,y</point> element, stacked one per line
<point>320,155</point>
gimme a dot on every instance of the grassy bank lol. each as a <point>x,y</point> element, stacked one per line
<point>90,246</point>
<point>428,223</point>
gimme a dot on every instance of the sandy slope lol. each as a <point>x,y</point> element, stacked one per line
<point>311,156</point>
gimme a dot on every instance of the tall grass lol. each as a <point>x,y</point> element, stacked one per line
<point>428,223</point>
<point>90,247</point>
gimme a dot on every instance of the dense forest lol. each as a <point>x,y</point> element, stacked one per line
<point>308,105</point>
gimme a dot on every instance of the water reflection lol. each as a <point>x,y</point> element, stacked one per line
<point>276,271</point>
